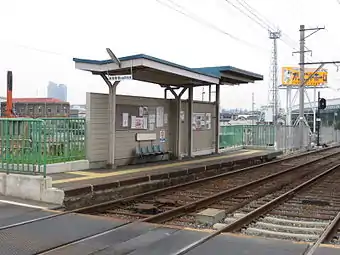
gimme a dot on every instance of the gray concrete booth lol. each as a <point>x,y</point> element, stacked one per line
<point>159,128</point>
<point>172,77</point>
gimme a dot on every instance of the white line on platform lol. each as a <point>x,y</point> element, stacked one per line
<point>22,204</point>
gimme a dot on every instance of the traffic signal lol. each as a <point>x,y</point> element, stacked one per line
<point>322,103</point>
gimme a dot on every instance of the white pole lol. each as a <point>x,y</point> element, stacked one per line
<point>314,112</point>
<point>289,106</point>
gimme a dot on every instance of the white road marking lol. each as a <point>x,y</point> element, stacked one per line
<point>22,204</point>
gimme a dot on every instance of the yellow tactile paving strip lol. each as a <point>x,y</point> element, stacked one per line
<point>88,175</point>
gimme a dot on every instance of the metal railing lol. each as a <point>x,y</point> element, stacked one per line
<point>28,145</point>
<point>279,137</point>
<point>65,139</point>
<point>247,135</point>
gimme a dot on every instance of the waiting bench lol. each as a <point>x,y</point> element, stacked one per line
<point>150,151</point>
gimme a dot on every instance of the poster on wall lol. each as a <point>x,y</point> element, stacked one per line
<point>162,136</point>
<point>145,110</point>
<point>140,111</point>
<point>165,119</point>
<point>152,118</point>
<point>159,116</point>
<point>145,122</point>
<point>198,121</point>
<point>182,116</point>
<point>208,120</point>
<point>151,126</point>
<point>125,122</point>
<point>137,122</point>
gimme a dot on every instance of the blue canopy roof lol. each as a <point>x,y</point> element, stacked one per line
<point>214,71</point>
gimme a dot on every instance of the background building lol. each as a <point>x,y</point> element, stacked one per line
<point>329,116</point>
<point>38,107</point>
<point>58,91</point>
<point>2,99</point>
<point>78,111</point>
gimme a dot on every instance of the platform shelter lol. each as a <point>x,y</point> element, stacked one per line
<point>172,77</point>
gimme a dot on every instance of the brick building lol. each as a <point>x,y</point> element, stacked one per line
<point>38,107</point>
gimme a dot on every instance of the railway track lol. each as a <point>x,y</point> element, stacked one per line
<point>312,156</point>
<point>216,188</point>
<point>237,205</point>
<point>330,234</point>
<point>302,218</point>
<point>307,212</point>
<point>240,187</point>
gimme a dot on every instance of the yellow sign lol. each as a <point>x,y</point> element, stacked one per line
<point>291,76</point>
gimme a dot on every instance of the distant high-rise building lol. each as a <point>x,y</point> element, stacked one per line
<point>58,91</point>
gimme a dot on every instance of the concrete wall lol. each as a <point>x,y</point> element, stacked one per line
<point>98,128</point>
<point>30,187</point>
<point>126,138</point>
<point>203,139</point>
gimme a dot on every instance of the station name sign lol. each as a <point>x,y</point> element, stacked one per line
<point>114,78</point>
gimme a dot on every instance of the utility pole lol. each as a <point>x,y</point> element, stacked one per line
<point>303,81</point>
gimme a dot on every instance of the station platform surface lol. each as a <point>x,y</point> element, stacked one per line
<point>83,234</point>
<point>78,179</point>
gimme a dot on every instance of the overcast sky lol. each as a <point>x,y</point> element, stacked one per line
<point>39,38</point>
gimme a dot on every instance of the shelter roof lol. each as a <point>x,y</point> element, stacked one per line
<point>163,72</point>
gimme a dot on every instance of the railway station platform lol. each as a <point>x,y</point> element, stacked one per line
<point>28,231</point>
<point>81,187</point>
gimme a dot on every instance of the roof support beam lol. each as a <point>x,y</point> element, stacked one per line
<point>217,121</point>
<point>112,120</point>
<point>178,119</point>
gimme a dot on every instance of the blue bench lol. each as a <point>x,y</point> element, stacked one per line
<point>150,151</point>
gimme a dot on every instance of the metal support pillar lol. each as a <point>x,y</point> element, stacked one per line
<point>289,106</point>
<point>209,93</point>
<point>190,111</point>
<point>217,123</point>
<point>178,122</point>
<point>165,93</point>
<point>302,87</point>
<point>112,120</point>
<point>319,122</point>
<point>315,105</point>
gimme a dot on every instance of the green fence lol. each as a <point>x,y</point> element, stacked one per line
<point>65,139</point>
<point>247,135</point>
<point>28,145</point>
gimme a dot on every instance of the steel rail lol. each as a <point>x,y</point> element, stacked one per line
<point>103,205</point>
<point>326,235</point>
<point>168,215</point>
<point>250,217</point>
<point>132,223</point>
<point>110,203</point>
<point>151,219</point>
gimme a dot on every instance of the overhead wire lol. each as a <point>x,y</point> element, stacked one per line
<point>182,10</point>
<point>261,20</point>
<point>36,49</point>
<point>263,25</point>
<point>250,9</point>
